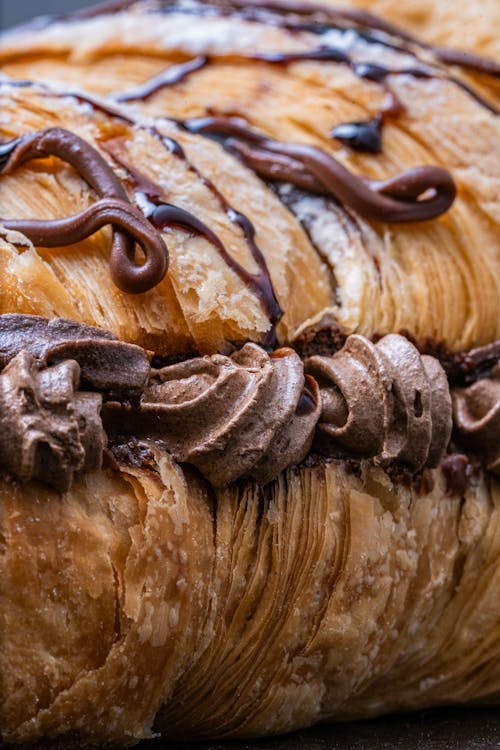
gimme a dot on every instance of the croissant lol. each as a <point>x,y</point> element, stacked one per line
<point>249,369</point>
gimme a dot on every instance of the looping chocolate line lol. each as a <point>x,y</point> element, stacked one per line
<point>126,274</point>
<point>418,194</point>
<point>114,208</point>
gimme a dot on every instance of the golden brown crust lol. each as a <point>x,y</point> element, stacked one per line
<point>437,280</point>
<point>325,596</point>
<point>201,303</point>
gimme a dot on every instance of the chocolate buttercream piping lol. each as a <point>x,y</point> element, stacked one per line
<point>247,415</point>
<point>398,199</point>
<point>113,208</point>
<point>476,413</point>
<point>49,430</point>
<point>377,402</point>
<point>228,415</point>
<point>106,364</point>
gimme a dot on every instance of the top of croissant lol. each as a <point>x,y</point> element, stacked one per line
<point>366,216</point>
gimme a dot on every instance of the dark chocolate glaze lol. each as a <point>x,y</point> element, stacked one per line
<point>169,77</point>
<point>361,136</point>
<point>468,60</point>
<point>260,283</point>
<point>113,208</point>
<point>372,22</point>
<point>395,200</point>
<point>371,71</point>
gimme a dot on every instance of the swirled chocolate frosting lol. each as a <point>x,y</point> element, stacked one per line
<point>383,401</point>
<point>476,414</point>
<point>106,364</point>
<point>250,414</point>
<point>49,429</point>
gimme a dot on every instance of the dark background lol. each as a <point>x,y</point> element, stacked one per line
<point>446,729</point>
<point>16,11</point>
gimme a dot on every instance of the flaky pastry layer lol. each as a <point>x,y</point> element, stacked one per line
<point>161,606</point>
<point>437,280</point>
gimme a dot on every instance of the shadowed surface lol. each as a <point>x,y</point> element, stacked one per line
<point>439,729</point>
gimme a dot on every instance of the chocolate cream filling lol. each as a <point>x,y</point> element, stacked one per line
<point>67,390</point>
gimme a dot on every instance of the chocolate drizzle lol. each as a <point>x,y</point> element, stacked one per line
<point>247,415</point>
<point>113,208</point>
<point>169,77</point>
<point>370,27</point>
<point>398,199</point>
<point>260,283</point>
<point>376,29</point>
<point>365,20</point>
<point>162,214</point>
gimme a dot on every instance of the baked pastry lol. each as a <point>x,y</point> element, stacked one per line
<point>249,373</point>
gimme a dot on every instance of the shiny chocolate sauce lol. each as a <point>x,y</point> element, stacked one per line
<point>367,25</point>
<point>260,284</point>
<point>113,207</point>
<point>361,136</point>
<point>312,17</point>
<point>398,199</point>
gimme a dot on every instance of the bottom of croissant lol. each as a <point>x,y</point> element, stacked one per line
<point>143,601</point>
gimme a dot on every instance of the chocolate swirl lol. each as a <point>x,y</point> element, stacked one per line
<point>246,415</point>
<point>476,413</point>
<point>250,415</point>
<point>383,401</point>
<point>106,364</point>
<point>49,430</point>
<point>114,208</point>
<point>399,199</point>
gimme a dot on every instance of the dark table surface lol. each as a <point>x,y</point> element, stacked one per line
<point>446,729</point>
<point>439,729</point>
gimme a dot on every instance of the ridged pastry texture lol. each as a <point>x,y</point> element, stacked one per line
<point>437,280</point>
<point>242,611</point>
